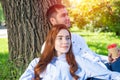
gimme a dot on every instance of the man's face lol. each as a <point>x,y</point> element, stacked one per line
<point>61,17</point>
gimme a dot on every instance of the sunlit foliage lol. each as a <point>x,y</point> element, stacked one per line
<point>103,15</point>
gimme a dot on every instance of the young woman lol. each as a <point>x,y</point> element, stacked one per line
<point>57,61</point>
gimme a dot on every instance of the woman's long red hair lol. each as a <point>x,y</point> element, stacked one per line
<point>49,53</point>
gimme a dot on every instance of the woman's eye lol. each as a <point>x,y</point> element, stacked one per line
<point>60,38</point>
<point>68,38</point>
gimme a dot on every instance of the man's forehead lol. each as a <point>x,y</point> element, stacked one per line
<point>62,10</point>
<point>59,11</point>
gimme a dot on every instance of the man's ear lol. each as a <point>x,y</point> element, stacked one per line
<point>53,21</point>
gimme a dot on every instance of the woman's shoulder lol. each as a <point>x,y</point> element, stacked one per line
<point>34,62</point>
<point>29,72</point>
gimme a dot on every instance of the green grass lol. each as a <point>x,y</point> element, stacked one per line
<point>3,45</point>
<point>3,50</point>
<point>3,56</point>
<point>96,41</point>
<point>8,71</point>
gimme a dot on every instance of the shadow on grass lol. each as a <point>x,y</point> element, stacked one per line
<point>3,56</point>
<point>8,70</point>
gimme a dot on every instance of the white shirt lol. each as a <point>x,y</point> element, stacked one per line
<point>79,46</point>
<point>58,69</point>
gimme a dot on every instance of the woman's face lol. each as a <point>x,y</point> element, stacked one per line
<point>62,42</point>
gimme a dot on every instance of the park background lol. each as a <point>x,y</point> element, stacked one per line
<point>98,21</point>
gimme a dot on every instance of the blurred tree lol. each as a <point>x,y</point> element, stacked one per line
<point>2,19</point>
<point>115,17</point>
<point>27,28</point>
<point>66,3</point>
<point>103,15</point>
<point>84,12</point>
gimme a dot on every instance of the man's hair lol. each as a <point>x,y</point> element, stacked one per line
<point>53,10</point>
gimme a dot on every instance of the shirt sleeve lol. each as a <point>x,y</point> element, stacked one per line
<point>29,72</point>
<point>95,70</point>
<point>80,46</point>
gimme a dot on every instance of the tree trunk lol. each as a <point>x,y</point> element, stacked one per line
<point>27,28</point>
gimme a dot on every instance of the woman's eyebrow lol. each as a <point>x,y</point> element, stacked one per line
<point>63,36</point>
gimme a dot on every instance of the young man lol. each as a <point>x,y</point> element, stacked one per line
<point>57,14</point>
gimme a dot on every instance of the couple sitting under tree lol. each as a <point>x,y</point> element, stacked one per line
<point>65,55</point>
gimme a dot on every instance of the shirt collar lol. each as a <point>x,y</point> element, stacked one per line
<point>61,57</point>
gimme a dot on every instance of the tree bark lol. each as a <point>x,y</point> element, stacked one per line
<point>27,28</point>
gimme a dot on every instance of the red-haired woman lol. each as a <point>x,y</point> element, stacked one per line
<point>57,61</point>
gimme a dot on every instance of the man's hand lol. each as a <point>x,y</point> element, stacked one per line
<point>110,59</point>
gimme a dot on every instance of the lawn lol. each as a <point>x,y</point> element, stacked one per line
<point>7,69</point>
<point>3,57</point>
<point>3,50</point>
<point>96,41</point>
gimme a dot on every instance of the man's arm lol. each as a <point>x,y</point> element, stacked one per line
<point>80,46</point>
